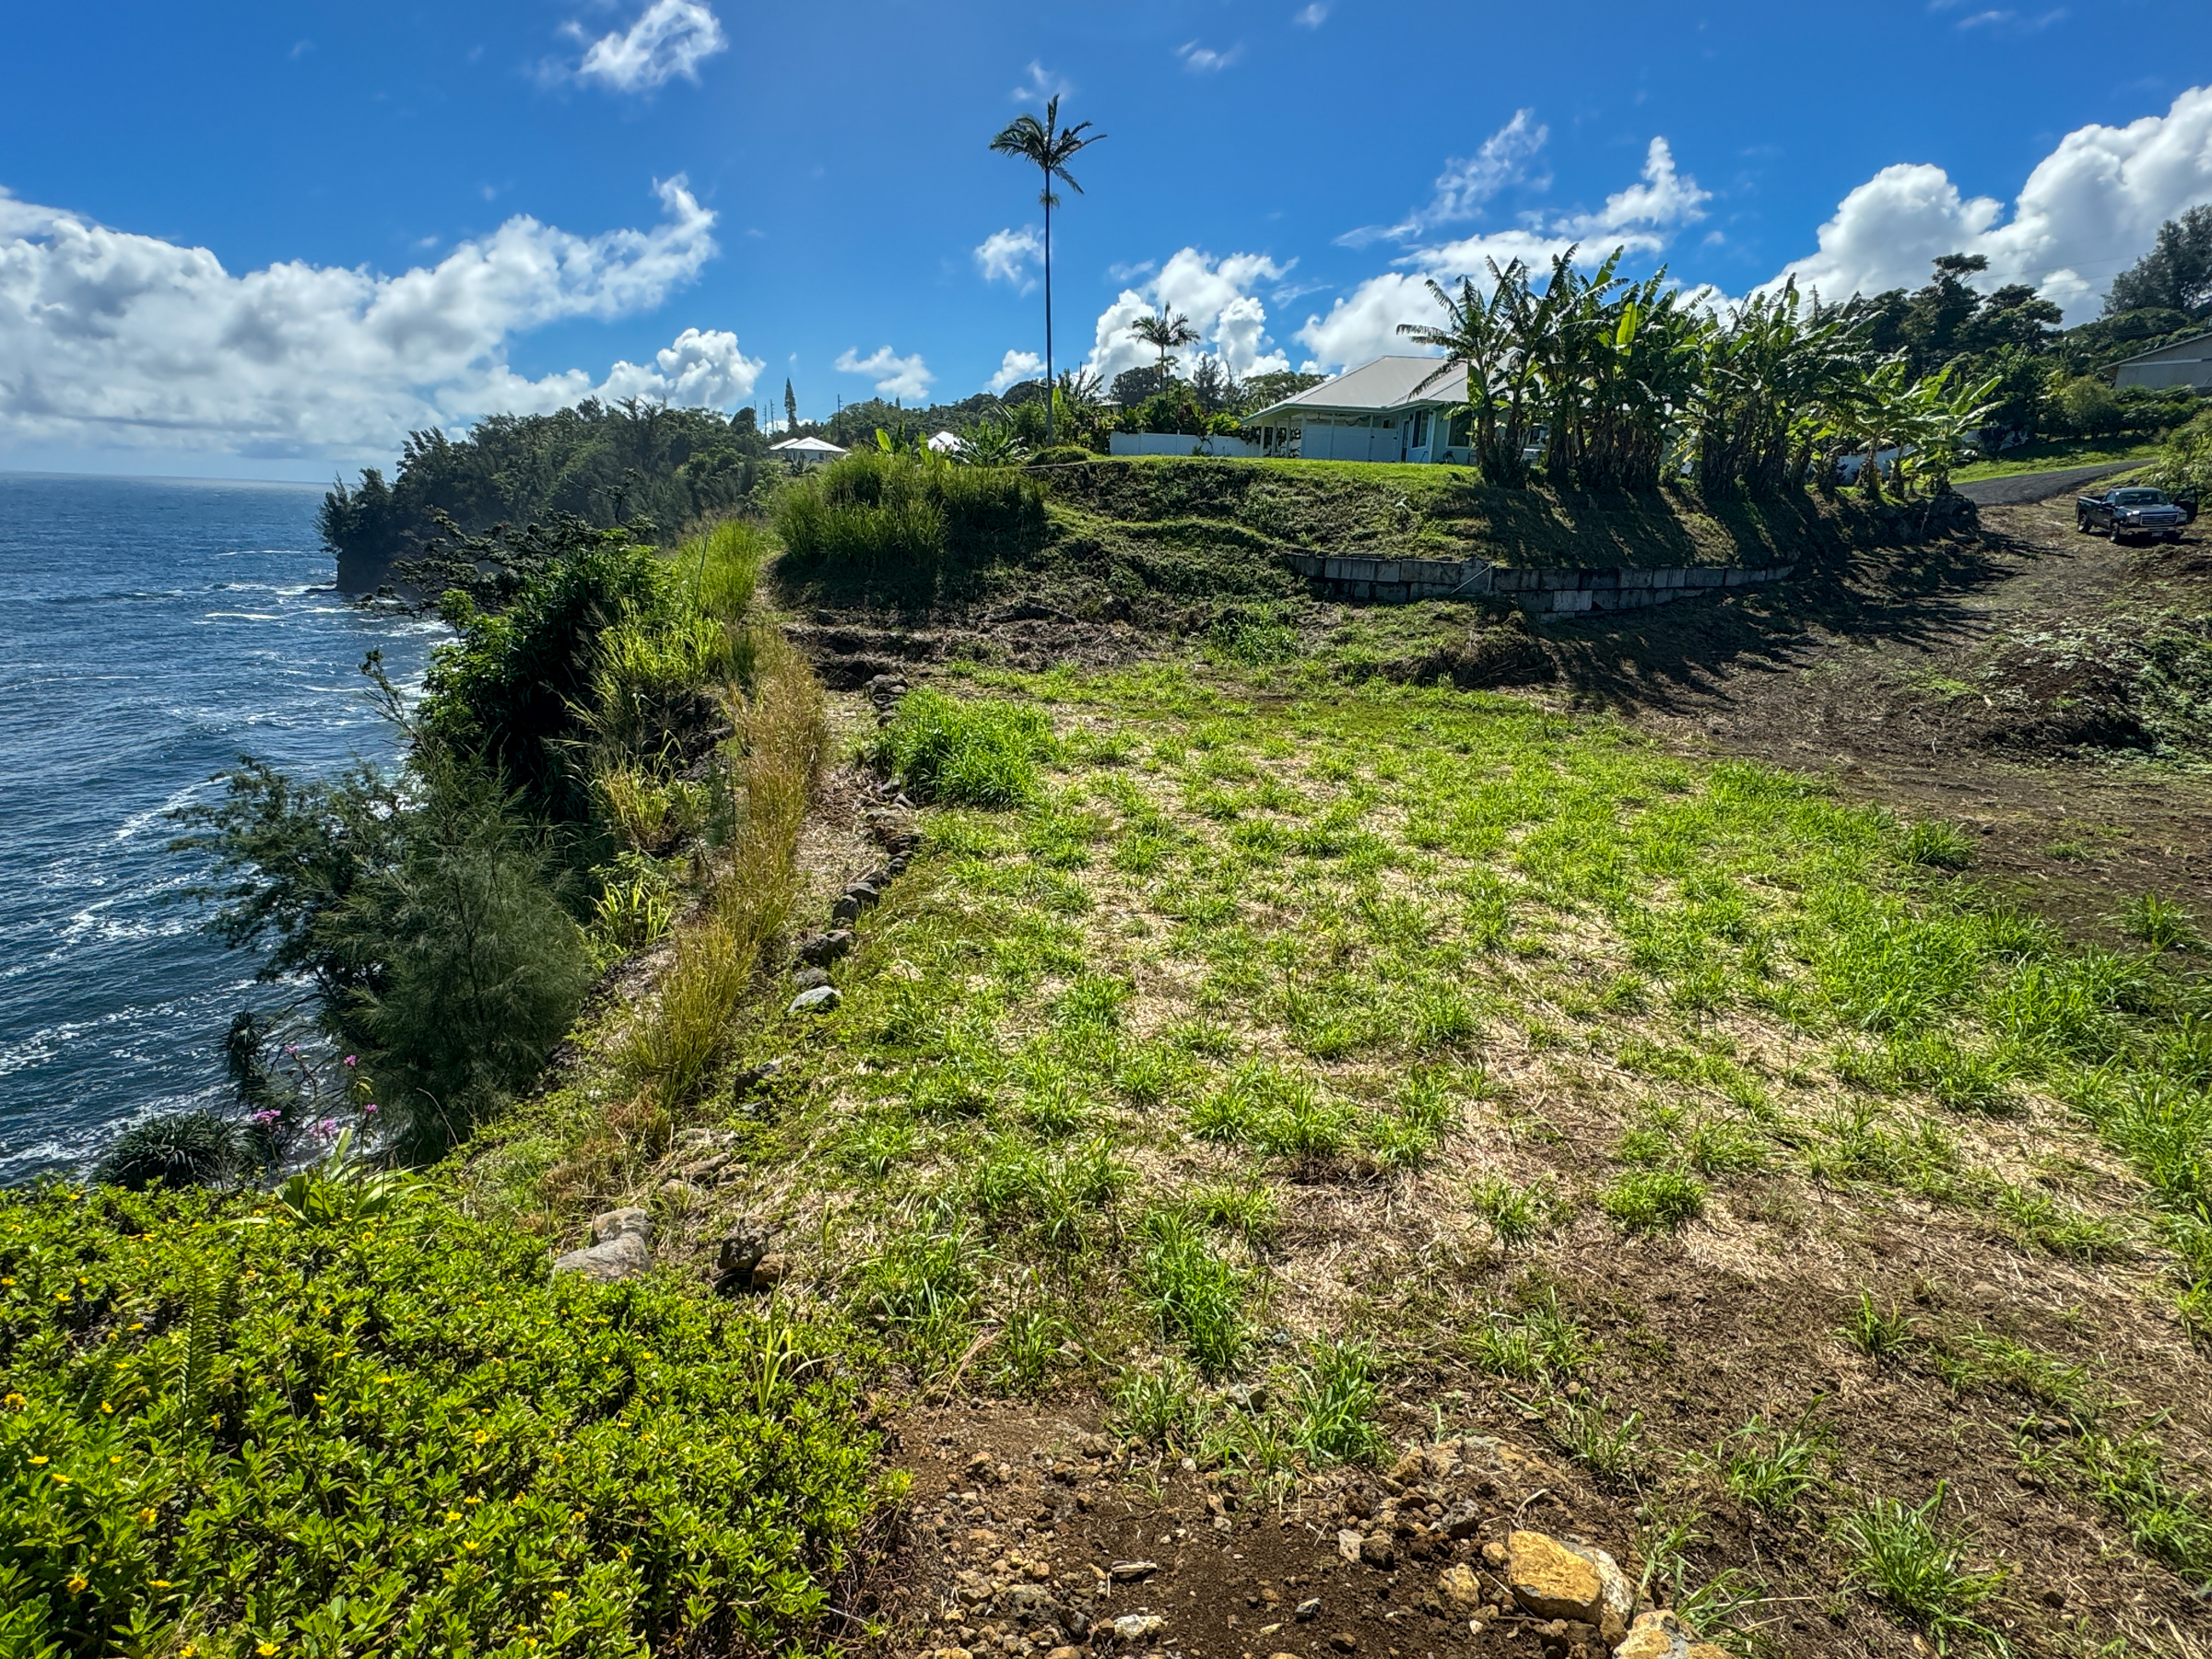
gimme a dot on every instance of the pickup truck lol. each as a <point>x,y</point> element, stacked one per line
<point>2132,511</point>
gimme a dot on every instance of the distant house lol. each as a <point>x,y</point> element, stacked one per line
<point>2182,363</point>
<point>804,451</point>
<point>946,443</point>
<point>1395,408</point>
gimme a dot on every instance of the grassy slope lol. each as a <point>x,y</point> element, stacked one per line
<point>1277,1031</point>
<point>2058,454</point>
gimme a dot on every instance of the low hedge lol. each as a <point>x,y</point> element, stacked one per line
<point>228,1429</point>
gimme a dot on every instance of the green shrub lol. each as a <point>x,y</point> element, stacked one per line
<point>228,1431</point>
<point>1904,1554</point>
<point>1197,1296</point>
<point>1333,1408</point>
<point>178,1148</point>
<point>885,513</point>
<point>1938,844</point>
<point>983,752</point>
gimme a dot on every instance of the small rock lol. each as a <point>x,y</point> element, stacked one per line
<point>771,1271</point>
<point>614,1223</point>
<point>1092,1445</point>
<point>1552,1579</point>
<point>1662,1635</point>
<point>806,979</point>
<point>1139,1627</point>
<point>1347,1544</point>
<point>1343,1642</point>
<point>1461,1520</point>
<point>820,1000</point>
<point>1126,1570</point>
<point>750,1081</point>
<point>1282,1657</point>
<point>825,949</point>
<point>705,1169</point>
<point>1065,1652</point>
<point>681,1194</point>
<point>1493,1556</point>
<point>737,1256</point>
<point>1377,1550</point>
<point>845,911</point>
<point>1460,1590</point>
<point>1308,1610</point>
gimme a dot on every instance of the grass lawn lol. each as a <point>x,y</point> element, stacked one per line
<point>2058,454</point>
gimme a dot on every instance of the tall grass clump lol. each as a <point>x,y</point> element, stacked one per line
<point>783,737</point>
<point>983,752</point>
<point>1197,1296</point>
<point>1908,1558</point>
<point>889,514</point>
<point>722,564</point>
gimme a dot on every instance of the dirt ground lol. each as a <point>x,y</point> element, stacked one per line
<point>1913,680</point>
<point>1890,678</point>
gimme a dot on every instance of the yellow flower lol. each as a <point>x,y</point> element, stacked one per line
<point>471,1543</point>
<point>77,1583</point>
<point>38,1460</point>
<point>452,1514</point>
<point>15,1402</point>
<point>161,1584</point>
<point>147,1515</point>
<point>267,1648</point>
<point>62,1296</point>
<point>106,1409</point>
<point>6,1281</point>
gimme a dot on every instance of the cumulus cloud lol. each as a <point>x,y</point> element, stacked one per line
<point>1219,297</point>
<point>1016,366</point>
<point>895,376</point>
<point>1005,255</point>
<point>1642,218</point>
<point>2090,208</point>
<point>110,339</point>
<point>669,39</point>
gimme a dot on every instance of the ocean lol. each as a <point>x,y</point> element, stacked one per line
<point>151,632</point>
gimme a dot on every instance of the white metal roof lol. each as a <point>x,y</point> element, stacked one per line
<point>806,447</point>
<point>1388,383</point>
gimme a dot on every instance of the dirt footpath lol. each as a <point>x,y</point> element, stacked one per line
<point>1985,684</point>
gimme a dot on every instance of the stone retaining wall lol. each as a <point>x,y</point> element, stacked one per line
<point>1540,592</point>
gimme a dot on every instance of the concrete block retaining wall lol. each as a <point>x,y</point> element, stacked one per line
<point>1542,593</point>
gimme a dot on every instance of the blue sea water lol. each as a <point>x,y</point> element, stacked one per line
<point>151,632</point>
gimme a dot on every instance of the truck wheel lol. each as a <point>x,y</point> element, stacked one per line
<point>2081,524</point>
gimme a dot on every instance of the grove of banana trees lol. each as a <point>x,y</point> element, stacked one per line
<point>1614,384</point>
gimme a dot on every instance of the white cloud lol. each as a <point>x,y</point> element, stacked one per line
<point>1205,60</point>
<point>669,39</point>
<point>1642,218</point>
<point>895,376</point>
<point>2089,209</point>
<point>1043,85</point>
<point>111,340</point>
<point>1311,17</point>
<point>1017,366</point>
<point>1644,213</point>
<point>1215,294</point>
<point>1004,255</point>
<point>1468,182</point>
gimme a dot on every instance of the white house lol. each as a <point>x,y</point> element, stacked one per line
<point>804,451</point>
<point>2182,363</point>
<point>1395,408</point>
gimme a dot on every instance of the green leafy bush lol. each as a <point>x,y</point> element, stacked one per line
<point>178,1148</point>
<point>226,1431</point>
<point>985,752</point>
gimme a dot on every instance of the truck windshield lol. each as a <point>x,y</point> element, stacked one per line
<point>2138,498</point>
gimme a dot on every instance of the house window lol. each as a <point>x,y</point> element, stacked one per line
<point>1462,429</point>
<point>1421,428</point>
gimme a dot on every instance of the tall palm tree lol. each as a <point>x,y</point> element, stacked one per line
<point>1164,333</point>
<point>1047,146</point>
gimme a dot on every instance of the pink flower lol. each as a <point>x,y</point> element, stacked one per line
<point>351,1060</point>
<point>266,1116</point>
<point>370,1110</point>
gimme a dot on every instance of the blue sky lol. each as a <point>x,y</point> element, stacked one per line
<point>212,212</point>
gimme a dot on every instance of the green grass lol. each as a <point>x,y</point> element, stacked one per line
<point>1652,1200</point>
<point>961,752</point>
<point>1772,1468</point>
<point>2056,454</point>
<point>1907,1557</point>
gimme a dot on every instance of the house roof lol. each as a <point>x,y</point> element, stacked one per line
<point>806,447</point>
<point>2157,351</point>
<point>1388,383</point>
